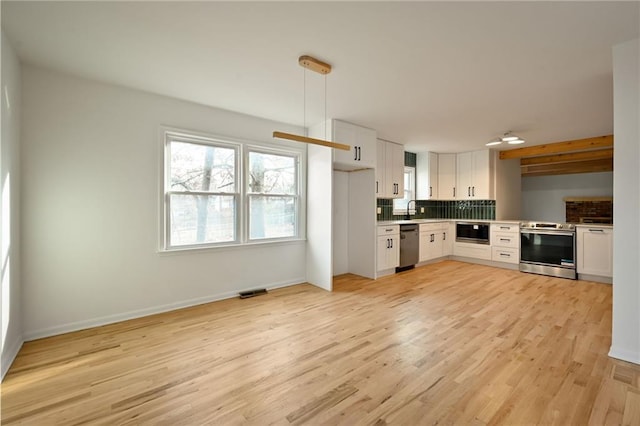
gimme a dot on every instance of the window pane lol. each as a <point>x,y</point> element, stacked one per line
<point>197,167</point>
<point>271,173</point>
<point>272,217</point>
<point>197,219</point>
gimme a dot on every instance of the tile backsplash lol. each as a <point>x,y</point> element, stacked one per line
<point>467,209</point>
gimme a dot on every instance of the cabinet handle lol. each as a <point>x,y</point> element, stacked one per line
<point>505,255</point>
<point>387,243</point>
<point>505,227</point>
<point>454,192</point>
<point>391,239</point>
<point>505,239</point>
<point>468,191</point>
<point>376,187</point>
<point>388,230</point>
<point>444,236</point>
<point>596,230</point>
<point>433,237</point>
<point>473,191</point>
<point>430,191</point>
<point>355,153</point>
<point>360,158</point>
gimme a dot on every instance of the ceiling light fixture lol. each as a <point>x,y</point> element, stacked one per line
<point>508,137</point>
<point>310,63</point>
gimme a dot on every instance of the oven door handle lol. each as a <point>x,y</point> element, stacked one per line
<point>531,231</point>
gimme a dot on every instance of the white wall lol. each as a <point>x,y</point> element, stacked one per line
<point>625,338</point>
<point>340,222</point>
<point>542,195</point>
<point>10,298</point>
<point>91,208</point>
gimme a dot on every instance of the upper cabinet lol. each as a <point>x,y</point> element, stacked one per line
<point>474,178</point>
<point>447,177</point>
<point>362,140</point>
<point>427,176</point>
<point>462,176</point>
<point>389,170</point>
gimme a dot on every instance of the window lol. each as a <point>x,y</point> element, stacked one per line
<point>272,192</point>
<point>205,203</point>
<point>400,205</point>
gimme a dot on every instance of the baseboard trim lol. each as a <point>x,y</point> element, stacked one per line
<point>110,319</point>
<point>595,278</point>
<point>9,356</point>
<point>624,355</point>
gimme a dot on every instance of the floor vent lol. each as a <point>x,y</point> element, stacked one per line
<point>252,293</point>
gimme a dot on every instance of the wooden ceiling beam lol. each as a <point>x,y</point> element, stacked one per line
<point>559,147</point>
<point>573,157</point>
<point>589,166</point>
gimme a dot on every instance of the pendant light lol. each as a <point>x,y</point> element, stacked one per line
<point>313,64</point>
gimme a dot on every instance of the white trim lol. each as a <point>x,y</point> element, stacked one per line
<point>243,147</point>
<point>624,355</point>
<point>110,319</point>
<point>9,355</point>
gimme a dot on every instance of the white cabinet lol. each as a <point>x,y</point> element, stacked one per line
<point>389,170</point>
<point>361,139</point>
<point>388,247</point>
<point>449,234</point>
<point>432,240</point>
<point>446,176</point>
<point>595,250</point>
<point>505,242</point>
<point>426,176</point>
<point>474,175</point>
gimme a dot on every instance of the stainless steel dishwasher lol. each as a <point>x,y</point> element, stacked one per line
<point>409,246</point>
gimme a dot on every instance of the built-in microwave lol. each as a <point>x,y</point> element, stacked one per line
<point>472,232</point>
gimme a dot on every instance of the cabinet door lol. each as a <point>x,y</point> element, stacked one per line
<point>382,252</point>
<point>447,176</point>
<point>464,173</point>
<point>394,252</point>
<point>367,147</point>
<point>433,176</point>
<point>424,249</point>
<point>595,251</point>
<point>395,168</point>
<point>447,239</point>
<point>381,186</point>
<point>348,134</point>
<point>481,175</point>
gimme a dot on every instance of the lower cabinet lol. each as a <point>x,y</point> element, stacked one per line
<point>594,247</point>
<point>471,250</point>
<point>388,247</point>
<point>433,240</point>
<point>505,242</point>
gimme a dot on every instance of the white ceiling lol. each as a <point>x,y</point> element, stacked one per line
<point>434,76</point>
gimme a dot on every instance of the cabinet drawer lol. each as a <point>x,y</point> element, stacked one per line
<point>503,239</point>
<point>475,251</point>
<point>505,227</point>
<point>507,255</point>
<point>388,230</point>
<point>429,227</point>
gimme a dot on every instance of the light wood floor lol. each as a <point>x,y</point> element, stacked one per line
<point>449,343</point>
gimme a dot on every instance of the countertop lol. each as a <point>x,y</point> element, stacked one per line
<point>419,221</point>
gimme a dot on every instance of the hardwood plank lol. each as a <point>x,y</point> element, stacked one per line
<point>559,147</point>
<point>447,343</point>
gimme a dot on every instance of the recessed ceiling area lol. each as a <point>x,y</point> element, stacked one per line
<point>437,76</point>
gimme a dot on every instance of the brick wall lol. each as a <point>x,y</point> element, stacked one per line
<point>579,209</point>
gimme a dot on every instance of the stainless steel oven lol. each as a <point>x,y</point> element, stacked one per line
<point>472,232</point>
<point>548,249</point>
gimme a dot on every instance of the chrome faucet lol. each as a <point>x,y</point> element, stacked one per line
<point>408,216</point>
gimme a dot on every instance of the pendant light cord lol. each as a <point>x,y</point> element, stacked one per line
<point>325,107</point>
<point>304,101</point>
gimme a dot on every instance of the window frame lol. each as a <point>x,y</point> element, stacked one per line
<point>241,194</point>
<point>412,196</point>
<point>247,194</point>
